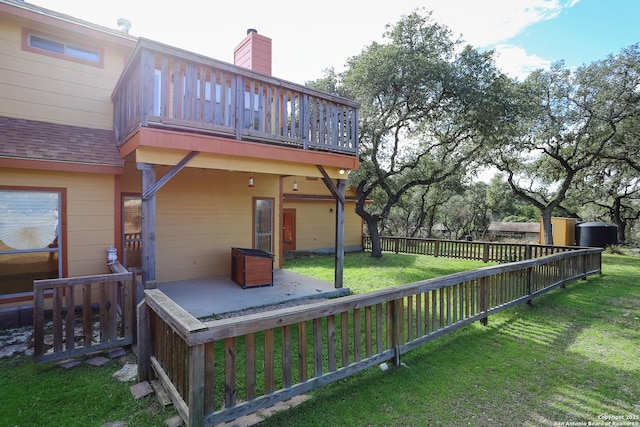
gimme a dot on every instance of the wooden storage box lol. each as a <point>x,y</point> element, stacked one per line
<point>251,267</point>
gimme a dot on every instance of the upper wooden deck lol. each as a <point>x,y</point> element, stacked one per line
<point>169,88</point>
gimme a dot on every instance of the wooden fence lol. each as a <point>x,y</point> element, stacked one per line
<point>86,314</point>
<point>166,87</point>
<point>478,250</point>
<point>216,371</point>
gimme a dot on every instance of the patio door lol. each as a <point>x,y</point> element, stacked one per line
<point>288,230</point>
<point>263,224</point>
<point>132,230</point>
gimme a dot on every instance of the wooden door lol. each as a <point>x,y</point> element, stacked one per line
<point>288,229</point>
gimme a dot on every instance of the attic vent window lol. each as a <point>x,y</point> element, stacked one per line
<point>63,49</point>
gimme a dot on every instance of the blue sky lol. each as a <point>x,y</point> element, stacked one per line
<point>311,36</point>
<point>586,32</point>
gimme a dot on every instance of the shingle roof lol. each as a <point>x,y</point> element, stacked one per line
<point>64,17</point>
<point>35,140</point>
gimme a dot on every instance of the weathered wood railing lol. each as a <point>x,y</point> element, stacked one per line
<point>216,371</point>
<point>478,250</point>
<point>88,313</point>
<point>171,88</point>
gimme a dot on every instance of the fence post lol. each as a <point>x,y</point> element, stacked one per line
<point>38,321</point>
<point>395,328</point>
<point>529,284</point>
<point>196,385</point>
<point>397,244</point>
<point>436,248</point>
<point>482,299</point>
<point>130,308</point>
<point>485,252</point>
<point>527,252</point>
<point>144,344</point>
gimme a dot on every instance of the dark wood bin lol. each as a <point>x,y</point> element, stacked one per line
<point>251,267</point>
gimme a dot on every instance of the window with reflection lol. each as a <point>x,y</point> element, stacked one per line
<point>30,238</point>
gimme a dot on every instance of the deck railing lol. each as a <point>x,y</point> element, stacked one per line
<point>86,314</point>
<point>216,371</point>
<point>463,249</point>
<point>170,88</point>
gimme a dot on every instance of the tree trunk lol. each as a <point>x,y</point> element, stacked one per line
<point>618,221</point>
<point>621,231</point>
<point>376,247</point>
<point>547,228</point>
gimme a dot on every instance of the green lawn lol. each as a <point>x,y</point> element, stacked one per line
<point>572,357</point>
<point>365,274</point>
<point>87,396</point>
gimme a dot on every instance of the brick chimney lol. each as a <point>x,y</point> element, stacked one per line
<point>254,52</point>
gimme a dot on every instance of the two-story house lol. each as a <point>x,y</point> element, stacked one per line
<point>169,156</point>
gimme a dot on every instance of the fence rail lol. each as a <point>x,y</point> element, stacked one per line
<point>219,370</point>
<point>170,88</point>
<point>87,313</point>
<point>477,250</point>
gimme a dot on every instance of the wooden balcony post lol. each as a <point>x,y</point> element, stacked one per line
<point>354,131</point>
<point>239,103</point>
<point>305,120</point>
<point>339,262</point>
<point>338,192</point>
<point>148,86</point>
<point>148,223</point>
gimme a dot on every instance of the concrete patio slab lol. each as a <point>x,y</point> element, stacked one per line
<point>218,295</point>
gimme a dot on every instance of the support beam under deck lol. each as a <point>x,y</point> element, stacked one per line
<point>338,191</point>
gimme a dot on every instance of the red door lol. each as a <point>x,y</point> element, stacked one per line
<point>288,229</point>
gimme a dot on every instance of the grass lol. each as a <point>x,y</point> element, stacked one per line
<point>572,357</point>
<point>365,274</point>
<point>48,395</point>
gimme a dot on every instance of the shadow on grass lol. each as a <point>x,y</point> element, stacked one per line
<point>570,358</point>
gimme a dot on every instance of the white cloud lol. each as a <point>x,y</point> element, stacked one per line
<point>491,23</point>
<point>307,41</point>
<point>485,23</point>
<point>516,62</point>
